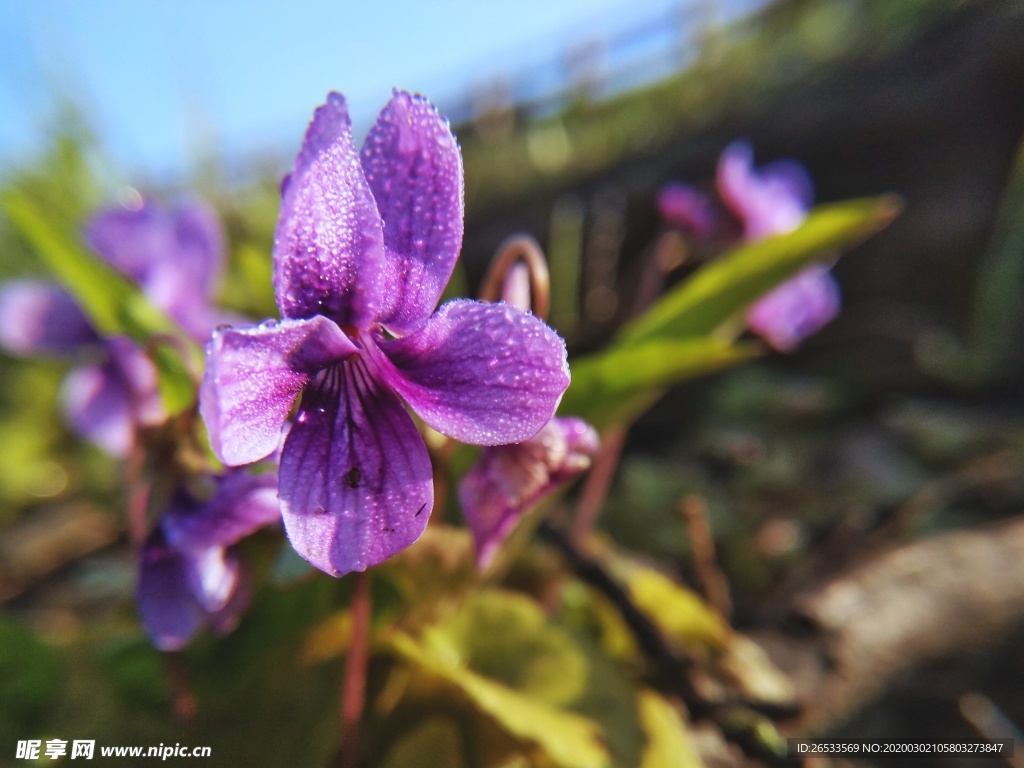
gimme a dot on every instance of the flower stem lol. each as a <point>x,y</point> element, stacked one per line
<point>353,692</point>
<point>598,482</point>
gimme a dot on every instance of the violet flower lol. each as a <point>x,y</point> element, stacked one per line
<point>190,573</point>
<point>114,387</point>
<point>769,201</point>
<point>175,257</point>
<point>365,244</point>
<point>508,480</point>
<point>774,201</point>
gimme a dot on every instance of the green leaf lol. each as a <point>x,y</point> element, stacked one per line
<point>719,290</point>
<point>113,304</point>
<point>668,742</point>
<point>679,613</point>
<point>618,384</point>
<point>504,656</point>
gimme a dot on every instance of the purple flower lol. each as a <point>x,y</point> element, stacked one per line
<point>769,201</point>
<point>113,390</point>
<point>190,574</point>
<point>365,244</point>
<point>174,255</point>
<point>509,479</point>
<point>175,258</point>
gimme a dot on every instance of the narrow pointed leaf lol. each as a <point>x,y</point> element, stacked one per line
<point>616,385</point>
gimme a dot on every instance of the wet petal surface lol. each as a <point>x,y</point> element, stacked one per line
<point>253,376</point>
<point>481,373</point>
<point>414,168</point>
<point>356,483</point>
<point>329,243</point>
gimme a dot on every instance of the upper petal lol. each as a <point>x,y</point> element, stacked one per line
<point>356,484</point>
<point>482,373</point>
<point>252,377</point>
<point>41,318</point>
<point>414,168</point>
<point>329,242</point>
<point>771,201</point>
<point>684,207</point>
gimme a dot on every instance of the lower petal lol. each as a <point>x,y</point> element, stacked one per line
<point>797,308</point>
<point>98,406</point>
<point>253,376</point>
<point>355,479</point>
<point>169,611</point>
<point>482,373</point>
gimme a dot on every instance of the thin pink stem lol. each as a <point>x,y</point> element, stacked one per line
<point>353,692</point>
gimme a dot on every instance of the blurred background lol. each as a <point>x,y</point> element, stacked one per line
<point>902,419</point>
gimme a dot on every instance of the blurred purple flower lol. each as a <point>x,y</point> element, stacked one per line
<point>508,480</point>
<point>175,257</point>
<point>365,244</point>
<point>113,390</point>
<point>684,207</point>
<point>769,201</point>
<point>190,573</point>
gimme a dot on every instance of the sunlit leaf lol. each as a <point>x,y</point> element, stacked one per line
<point>728,284</point>
<point>618,384</point>
<point>668,743</point>
<point>681,615</point>
<point>512,665</point>
<point>433,744</point>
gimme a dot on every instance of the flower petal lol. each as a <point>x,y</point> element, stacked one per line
<point>212,576</point>
<point>242,504</point>
<point>771,201</point>
<point>105,403</point>
<point>329,243</point>
<point>41,318</point>
<point>356,484</point>
<point>684,207</point>
<point>252,377</point>
<point>169,611</point>
<point>414,168</point>
<point>482,373</point>
<point>510,479</point>
<point>796,309</point>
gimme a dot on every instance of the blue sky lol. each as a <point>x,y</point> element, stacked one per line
<point>158,78</point>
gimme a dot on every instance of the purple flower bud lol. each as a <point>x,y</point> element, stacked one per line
<point>684,207</point>
<point>508,480</point>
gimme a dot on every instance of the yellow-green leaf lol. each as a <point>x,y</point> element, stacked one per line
<point>668,742</point>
